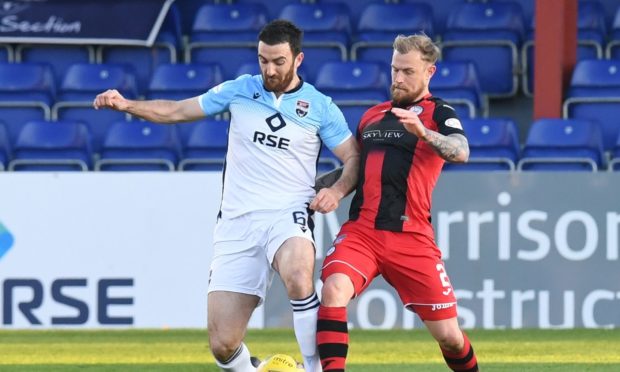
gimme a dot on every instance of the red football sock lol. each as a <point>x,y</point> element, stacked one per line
<point>332,338</point>
<point>463,361</point>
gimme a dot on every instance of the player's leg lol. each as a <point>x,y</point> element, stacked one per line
<point>234,290</point>
<point>347,270</point>
<point>415,269</point>
<point>294,261</point>
<point>228,317</point>
<point>455,346</point>
<point>332,325</point>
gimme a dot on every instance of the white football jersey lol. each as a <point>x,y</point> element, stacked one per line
<point>273,143</point>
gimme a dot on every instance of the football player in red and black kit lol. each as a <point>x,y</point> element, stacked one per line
<point>404,144</point>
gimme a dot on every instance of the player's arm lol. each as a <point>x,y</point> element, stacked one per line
<point>349,154</point>
<point>157,111</point>
<point>452,147</point>
<point>328,198</point>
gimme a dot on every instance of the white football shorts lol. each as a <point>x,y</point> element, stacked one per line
<point>244,248</point>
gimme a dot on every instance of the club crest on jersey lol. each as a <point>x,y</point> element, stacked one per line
<point>416,109</point>
<point>302,108</point>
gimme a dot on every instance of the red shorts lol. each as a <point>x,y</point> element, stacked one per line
<point>409,262</point>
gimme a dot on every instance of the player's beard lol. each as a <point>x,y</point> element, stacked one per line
<point>279,84</point>
<point>404,97</point>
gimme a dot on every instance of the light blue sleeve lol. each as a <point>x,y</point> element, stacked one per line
<point>334,129</point>
<point>218,98</point>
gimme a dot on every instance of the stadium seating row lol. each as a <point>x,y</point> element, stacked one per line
<point>29,92</point>
<point>474,31</point>
<point>551,145</point>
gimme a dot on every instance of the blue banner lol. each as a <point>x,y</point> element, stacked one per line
<point>126,22</point>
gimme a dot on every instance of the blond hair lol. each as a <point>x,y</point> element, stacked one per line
<point>420,42</point>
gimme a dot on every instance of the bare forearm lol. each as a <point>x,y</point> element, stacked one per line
<point>453,148</point>
<point>348,179</point>
<point>157,111</point>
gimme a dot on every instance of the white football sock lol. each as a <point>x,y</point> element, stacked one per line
<point>238,362</point>
<point>305,313</point>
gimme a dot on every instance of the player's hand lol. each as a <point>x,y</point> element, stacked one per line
<point>112,99</point>
<point>410,121</point>
<point>326,200</point>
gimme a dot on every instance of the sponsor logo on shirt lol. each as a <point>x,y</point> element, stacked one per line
<point>435,307</point>
<point>275,123</point>
<point>383,134</point>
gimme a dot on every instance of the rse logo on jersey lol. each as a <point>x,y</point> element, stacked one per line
<point>275,123</point>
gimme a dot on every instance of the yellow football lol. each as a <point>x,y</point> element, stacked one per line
<point>278,363</point>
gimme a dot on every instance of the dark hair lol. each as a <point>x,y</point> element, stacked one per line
<point>282,31</point>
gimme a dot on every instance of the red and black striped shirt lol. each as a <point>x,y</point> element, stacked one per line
<point>397,171</point>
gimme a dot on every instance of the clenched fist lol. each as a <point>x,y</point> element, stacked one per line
<point>112,99</point>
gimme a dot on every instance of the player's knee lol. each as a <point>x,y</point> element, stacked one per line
<point>451,341</point>
<point>298,283</point>
<point>337,291</point>
<point>223,348</point>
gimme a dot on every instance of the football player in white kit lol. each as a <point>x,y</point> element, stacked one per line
<point>278,123</point>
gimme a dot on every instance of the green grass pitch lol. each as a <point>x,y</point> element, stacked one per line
<point>376,351</point>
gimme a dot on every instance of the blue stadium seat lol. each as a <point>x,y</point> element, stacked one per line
<point>141,61</point>
<point>353,81</point>
<point>591,34</point>
<point>593,95</point>
<point>139,146</point>
<point>457,83</point>
<point>493,145</point>
<point>59,57</point>
<point>353,112</point>
<point>563,145</point>
<point>483,32</point>
<point>83,81</point>
<point>250,68</point>
<point>327,29</point>
<point>441,11</point>
<point>5,148</point>
<point>26,93</point>
<point>177,81</point>
<point>49,146</point>
<point>273,7</point>
<point>78,90</point>
<point>188,10</point>
<point>354,7</point>
<point>226,34</point>
<point>205,149</point>
<point>613,47</point>
<point>380,23</point>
